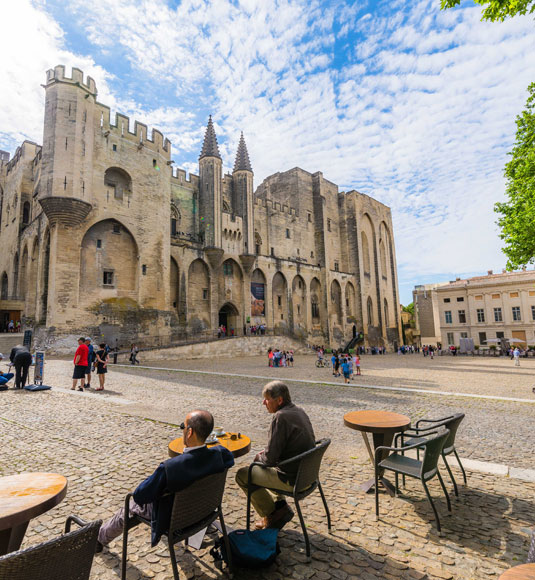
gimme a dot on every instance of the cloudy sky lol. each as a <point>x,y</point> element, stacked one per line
<point>394,98</point>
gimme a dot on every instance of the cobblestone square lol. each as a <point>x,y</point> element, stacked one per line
<point>106,443</point>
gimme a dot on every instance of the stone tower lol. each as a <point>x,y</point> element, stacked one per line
<point>242,188</point>
<point>210,188</point>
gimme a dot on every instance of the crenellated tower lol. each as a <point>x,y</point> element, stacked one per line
<point>242,189</point>
<point>210,188</point>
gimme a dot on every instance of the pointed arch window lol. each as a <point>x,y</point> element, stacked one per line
<point>370,312</point>
<point>175,220</point>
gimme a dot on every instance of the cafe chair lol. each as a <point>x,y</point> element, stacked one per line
<point>424,470</point>
<point>452,424</point>
<point>306,481</point>
<point>194,508</point>
<point>68,557</point>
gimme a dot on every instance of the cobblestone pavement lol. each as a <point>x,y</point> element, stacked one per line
<point>105,449</point>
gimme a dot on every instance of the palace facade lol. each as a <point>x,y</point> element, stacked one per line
<point>100,236</point>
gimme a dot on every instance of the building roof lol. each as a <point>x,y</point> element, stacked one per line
<point>491,279</point>
<point>210,147</point>
<point>242,162</point>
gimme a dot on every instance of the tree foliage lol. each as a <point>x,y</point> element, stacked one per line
<point>518,213</point>
<point>497,9</point>
<point>409,308</point>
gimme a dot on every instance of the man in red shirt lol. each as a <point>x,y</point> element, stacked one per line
<point>80,364</point>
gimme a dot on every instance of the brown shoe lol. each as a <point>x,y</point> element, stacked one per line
<point>279,518</point>
<point>261,524</point>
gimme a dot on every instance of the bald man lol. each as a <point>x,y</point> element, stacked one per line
<point>172,475</point>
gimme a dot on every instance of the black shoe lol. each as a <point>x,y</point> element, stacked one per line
<point>99,547</point>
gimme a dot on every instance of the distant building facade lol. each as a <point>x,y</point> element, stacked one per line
<point>493,307</point>
<point>100,235</point>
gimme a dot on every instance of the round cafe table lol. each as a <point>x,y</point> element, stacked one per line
<point>237,447</point>
<point>522,572</point>
<point>382,425</point>
<point>23,497</point>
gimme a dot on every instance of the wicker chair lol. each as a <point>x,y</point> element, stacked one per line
<point>423,470</point>
<point>306,481</point>
<point>68,557</point>
<point>452,424</point>
<point>194,509</point>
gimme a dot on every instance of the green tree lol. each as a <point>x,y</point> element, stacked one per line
<point>497,9</point>
<point>409,308</point>
<point>518,213</point>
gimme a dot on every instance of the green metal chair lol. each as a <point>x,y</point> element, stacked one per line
<point>452,424</point>
<point>423,470</point>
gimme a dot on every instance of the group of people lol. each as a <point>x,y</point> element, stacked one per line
<point>11,326</point>
<point>21,359</point>
<point>346,364</point>
<point>86,360</point>
<point>222,331</point>
<point>290,434</point>
<point>257,330</point>
<point>280,358</point>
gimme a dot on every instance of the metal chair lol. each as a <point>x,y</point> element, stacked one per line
<point>531,553</point>
<point>452,424</point>
<point>423,470</point>
<point>68,557</point>
<point>306,481</point>
<point>194,509</point>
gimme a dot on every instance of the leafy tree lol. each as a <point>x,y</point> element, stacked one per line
<point>518,213</point>
<point>409,308</point>
<point>497,9</point>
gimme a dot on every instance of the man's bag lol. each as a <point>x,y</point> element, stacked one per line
<point>256,549</point>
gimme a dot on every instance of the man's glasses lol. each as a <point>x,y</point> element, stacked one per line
<point>182,426</point>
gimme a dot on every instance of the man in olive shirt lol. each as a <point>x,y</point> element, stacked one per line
<point>290,434</point>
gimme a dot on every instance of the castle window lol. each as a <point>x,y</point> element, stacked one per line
<point>328,225</point>
<point>116,228</point>
<point>173,226</point>
<point>287,233</point>
<point>144,269</point>
<point>119,181</point>
<point>227,269</point>
<point>298,309</point>
<point>272,251</point>
<point>279,300</point>
<point>336,267</point>
<point>99,243</point>
<point>311,254</point>
<point>114,147</point>
<point>26,213</point>
<point>107,277</point>
<point>205,293</point>
<point>309,216</point>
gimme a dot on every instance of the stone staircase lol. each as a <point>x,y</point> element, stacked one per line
<point>8,340</point>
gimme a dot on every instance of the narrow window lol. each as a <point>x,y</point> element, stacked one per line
<point>462,316</point>
<point>257,248</point>
<point>450,338</point>
<point>99,243</point>
<point>498,315</point>
<point>205,293</point>
<point>482,338</point>
<point>272,251</point>
<point>336,267</point>
<point>309,215</point>
<point>114,147</point>
<point>533,312</point>
<point>287,233</point>
<point>480,315</point>
<point>144,269</point>
<point>279,300</point>
<point>107,278</point>
<point>298,309</point>
<point>516,313</point>
<point>328,225</point>
<point>116,228</point>
<point>447,315</point>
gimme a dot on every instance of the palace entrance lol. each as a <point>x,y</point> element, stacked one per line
<point>229,318</point>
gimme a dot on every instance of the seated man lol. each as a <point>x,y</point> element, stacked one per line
<point>290,434</point>
<point>172,475</point>
<point>4,377</point>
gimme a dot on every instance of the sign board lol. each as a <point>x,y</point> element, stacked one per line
<point>257,299</point>
<point>27,341</point>
<point>39,369</point>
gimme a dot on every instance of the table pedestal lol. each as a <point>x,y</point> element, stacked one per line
<point>378,440</point>
<point>11,539</point>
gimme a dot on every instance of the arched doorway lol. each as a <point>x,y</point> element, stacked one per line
<point>229,318</point>
<point>354,331</point>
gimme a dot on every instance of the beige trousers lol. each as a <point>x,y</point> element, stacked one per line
<point>263,500</point>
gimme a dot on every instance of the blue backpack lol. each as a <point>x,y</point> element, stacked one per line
<point>256,549</point>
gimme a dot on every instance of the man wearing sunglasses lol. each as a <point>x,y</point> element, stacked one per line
<point>150,500</point>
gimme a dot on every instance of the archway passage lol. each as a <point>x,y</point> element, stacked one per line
<point>229,318</point>
<point>354,331</point>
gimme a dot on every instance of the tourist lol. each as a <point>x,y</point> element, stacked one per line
<point>133,354</point>
<point>516,356</point>
<point>153,498</point>
<point>101,362</point>
<point>80,364</point>
<point>90,359</point>
<point>11,326</point>
<point>4,377</point>
<point>290,434</point>
<point>345,370</point>
<point>291,358</point>
<point>21,359</point>
<point>357,364</point>
<point>336,364</point>
<point>270,357</point>
<point>333,363</point>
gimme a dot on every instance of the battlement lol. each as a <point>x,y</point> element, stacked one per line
<point>140,136</point>
<point>57,74</point>
<point>28,148</point>
<point>179,177</point>
<point>276,206</point>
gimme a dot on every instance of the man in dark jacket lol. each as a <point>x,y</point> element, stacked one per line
<point>290,434</point>
<point>22,359</point>
<point>172,475</point>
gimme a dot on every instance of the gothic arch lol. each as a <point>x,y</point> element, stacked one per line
<point>369,311</point>
<point>365,253</point>
<point>382,256</point>
<point>176,219</point>
<point>279,287</point>
<point>386,313</point>
<point>23,273</point>
<point>299,301</point>
<point>4,291</point>
<point>199,296</point>
<point>16,274</point>
<point>350,300</point>
<point>174,284</point>
<point>118,181</point>
<point>258,293</point>
<point>315,301</point>
<point>336,302</point>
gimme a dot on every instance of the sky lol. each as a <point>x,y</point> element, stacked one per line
<point>397,99</point>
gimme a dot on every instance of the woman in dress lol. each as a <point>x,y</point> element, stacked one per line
<point>102,363</point>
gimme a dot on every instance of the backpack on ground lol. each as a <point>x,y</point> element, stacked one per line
<point>256,549</point>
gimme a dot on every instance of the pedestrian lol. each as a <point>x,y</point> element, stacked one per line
<point>516,356</point>
<point>345,370</point>
<point>357,364</point>
<point>133,354</point>
<point>336,365</point>
<point>101,362</point>
<point>90,359</point>
<point>270,357</point>
<point>80,364</point>
<point>333,363</point>
<point>291,358</point>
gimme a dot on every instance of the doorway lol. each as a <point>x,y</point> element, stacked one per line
<point>229,318</point>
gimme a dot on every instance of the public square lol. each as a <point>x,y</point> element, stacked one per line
<point>106,443</point>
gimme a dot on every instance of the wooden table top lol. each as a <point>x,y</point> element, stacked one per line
<point>27,495</point>
<point>237,447</point>
<point>522,572</point>
<point>376,421</point>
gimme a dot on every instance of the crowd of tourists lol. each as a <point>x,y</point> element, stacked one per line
<point>88,360</point>
<point>280,358</point>
<point>11,326</point>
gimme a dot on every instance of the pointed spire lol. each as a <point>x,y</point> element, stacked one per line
<point>209,146</point>
<point>242,162</point>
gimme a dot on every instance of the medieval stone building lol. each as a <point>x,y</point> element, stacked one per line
<point>99,235</point>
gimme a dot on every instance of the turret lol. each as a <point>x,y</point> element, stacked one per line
<point>67,145</point>
<point>210,188</point>
<point>242,190</point>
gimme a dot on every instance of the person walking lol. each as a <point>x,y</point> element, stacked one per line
<point>345,370</point>
<point>90,360</point>
<point>516,356</point>
<point>80,364</point>
<point>101,361</point>
<point>357,364</point>
<point>133,354</point>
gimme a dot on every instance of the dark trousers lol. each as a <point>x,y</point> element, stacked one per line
<point>22,364</point>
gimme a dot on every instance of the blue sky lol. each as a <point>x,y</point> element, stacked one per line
<point>397,99</point>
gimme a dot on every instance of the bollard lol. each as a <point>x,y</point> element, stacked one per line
<point>114,358</point>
